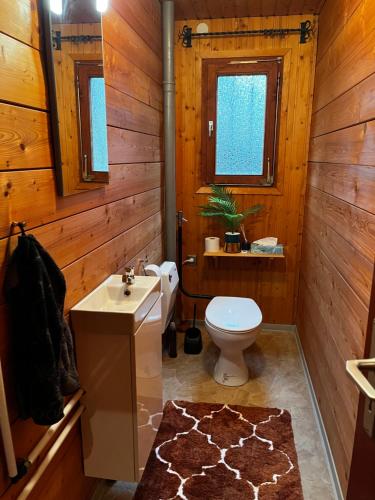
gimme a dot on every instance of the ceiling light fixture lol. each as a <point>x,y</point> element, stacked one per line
<point>101,5</point>
<point>56,6</point>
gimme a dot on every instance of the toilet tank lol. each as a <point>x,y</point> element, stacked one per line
<point>169,286</point>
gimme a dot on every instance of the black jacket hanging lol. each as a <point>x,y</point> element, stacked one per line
<point>42,343</point>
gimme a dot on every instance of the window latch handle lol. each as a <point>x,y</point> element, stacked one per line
<point>269,176</point>
<point>210,128</point>
<point>85,171</point>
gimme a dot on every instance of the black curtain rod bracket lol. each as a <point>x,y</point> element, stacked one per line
<point>305,32</point>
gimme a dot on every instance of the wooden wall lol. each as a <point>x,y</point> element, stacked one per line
<point>188,9</point>
<point>272,284</point>
<point>93,234</point>
<point>339,238</point>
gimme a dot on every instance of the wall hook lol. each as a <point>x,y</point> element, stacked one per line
<point>21,225</point>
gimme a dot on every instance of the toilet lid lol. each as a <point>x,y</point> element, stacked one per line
<point>233,314</point>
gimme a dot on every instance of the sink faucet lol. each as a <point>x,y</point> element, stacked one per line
<point>128,278</point>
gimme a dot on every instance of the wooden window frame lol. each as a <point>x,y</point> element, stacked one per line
<point>84,70</point>
<point>211,70</point>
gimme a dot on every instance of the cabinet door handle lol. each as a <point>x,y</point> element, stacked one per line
<point>210,128</point>
<point>353,368</point>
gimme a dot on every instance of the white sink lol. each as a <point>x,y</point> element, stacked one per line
<point>110,310</point>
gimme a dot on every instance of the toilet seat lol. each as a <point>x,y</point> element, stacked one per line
<point>221,330</point>
<point>233,315</point>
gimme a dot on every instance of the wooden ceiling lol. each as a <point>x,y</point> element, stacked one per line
<point>205,9</point>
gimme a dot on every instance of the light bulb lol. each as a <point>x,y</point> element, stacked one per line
<point>56,6</point>
<point>101,5</point>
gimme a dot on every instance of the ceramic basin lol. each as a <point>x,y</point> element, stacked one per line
<point>108,309</point>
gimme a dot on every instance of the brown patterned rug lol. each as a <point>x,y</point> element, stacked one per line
<point>208,451</point>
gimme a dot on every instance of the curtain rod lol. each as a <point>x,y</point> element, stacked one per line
<point>305,31</point>
<point>57,39</point>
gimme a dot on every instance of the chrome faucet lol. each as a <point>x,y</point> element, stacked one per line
<point>128,278</point>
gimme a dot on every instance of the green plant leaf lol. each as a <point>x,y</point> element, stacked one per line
<point>221,204</point>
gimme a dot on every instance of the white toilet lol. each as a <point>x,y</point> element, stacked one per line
<point>233,324</point>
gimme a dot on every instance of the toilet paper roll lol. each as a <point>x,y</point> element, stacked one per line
<point>152,270</point>
<point>212,244</point>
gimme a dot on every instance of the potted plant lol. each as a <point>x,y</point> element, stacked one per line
<point>221,204</point>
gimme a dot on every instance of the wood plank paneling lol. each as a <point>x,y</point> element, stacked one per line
<point>343,311</point>
<point>341,69</point>
<point>131,45</point>
<point>353,224</point>
<point>72,237</point>
<point>24,137</point>
<point>205,9</point>
<point>339,227</point>
<point>336,14</point>
<point>357,105</point>
<point>144,16</point>
<point>352,183</point>
<point>95,233</point>
<point>133,146</point>
<point>319,371</point>
<point>20,21</point>
<point>272,284</point>
<point>352,265</point>
<point>124,76</point>
<point>354,145</point>
<point>18,187</point>
<point>128,113</point>
<point>21,74</point>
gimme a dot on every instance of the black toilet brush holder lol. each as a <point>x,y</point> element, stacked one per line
<point>193,337</point>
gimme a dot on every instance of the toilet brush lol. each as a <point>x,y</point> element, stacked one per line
<point>193,337</point>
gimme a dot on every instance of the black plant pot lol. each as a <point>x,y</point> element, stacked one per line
<point>232,242</point>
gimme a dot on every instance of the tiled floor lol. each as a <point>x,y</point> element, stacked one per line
<point>276,380</point>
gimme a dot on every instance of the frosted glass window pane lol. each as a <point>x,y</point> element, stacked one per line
<point>241,117</point>
<point>98,117</point>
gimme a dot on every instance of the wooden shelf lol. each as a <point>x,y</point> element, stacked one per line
<point>221,253</point>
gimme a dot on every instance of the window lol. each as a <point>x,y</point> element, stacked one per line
<point>93,121</point>
<point>240,120</point>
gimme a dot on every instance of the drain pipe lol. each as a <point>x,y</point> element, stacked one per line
<point>169,89</point>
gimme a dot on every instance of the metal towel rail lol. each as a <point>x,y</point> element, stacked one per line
<point>6,432</point>
<point>16,470</point>
<point>50,455</point>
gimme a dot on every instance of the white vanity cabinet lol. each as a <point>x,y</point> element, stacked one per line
<point>120,370</point>
<point>148,384</point>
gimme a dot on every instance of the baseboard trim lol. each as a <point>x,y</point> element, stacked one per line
<point>278,327</point>
<point>319,420</point>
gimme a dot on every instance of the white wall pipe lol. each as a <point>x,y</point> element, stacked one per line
<point>50,455</point>
<point>169,88</point>
<point>6,432</point>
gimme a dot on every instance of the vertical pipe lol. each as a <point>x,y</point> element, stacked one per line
<point>169,89</point>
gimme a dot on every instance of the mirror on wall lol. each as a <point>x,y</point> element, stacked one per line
<point>74,52</point>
